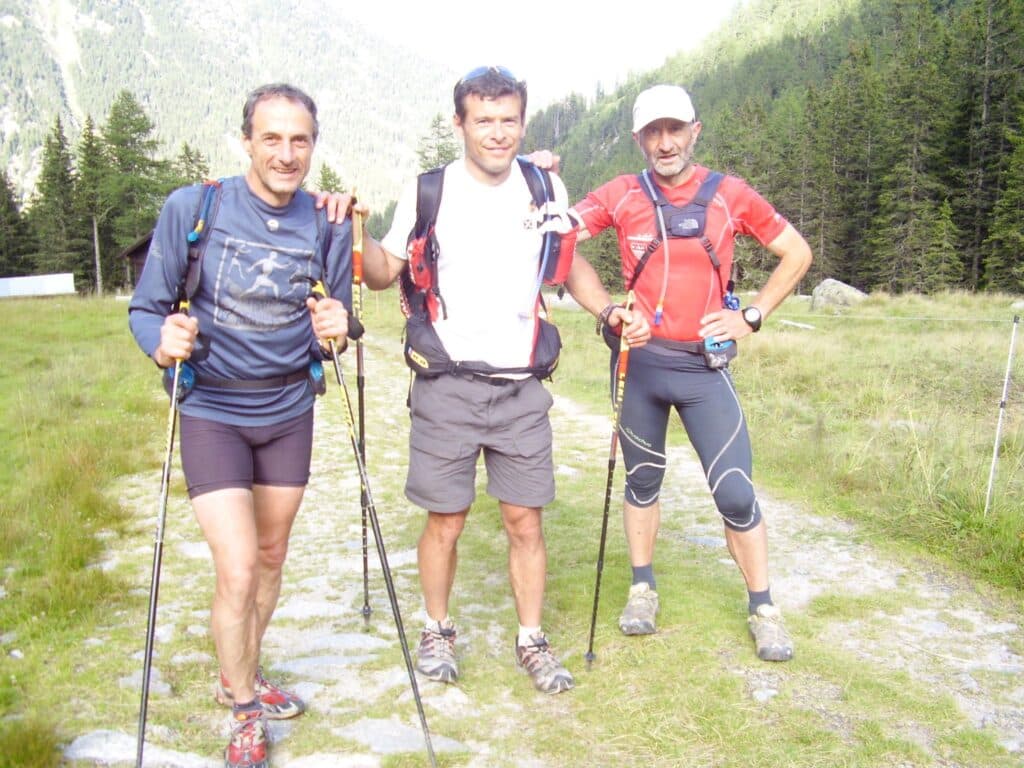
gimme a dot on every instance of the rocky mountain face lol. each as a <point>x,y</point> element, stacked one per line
<point>191,63</point>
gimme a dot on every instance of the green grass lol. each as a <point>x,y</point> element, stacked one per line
<point>75,415</point>
<point>889,423</point>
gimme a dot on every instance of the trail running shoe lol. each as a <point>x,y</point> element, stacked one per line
<point>642,606</point>
<point>249,743</point>
<point>435,657</point>
<point>770,637</point>
<point>278,704</point>
<point>549,676</point>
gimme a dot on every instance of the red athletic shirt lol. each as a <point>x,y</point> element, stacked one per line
<point>693,288</point>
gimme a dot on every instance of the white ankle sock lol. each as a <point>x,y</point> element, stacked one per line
<point>525,633</point>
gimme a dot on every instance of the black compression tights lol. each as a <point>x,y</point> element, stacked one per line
<point>711,414</point>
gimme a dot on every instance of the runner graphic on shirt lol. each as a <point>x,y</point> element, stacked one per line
<point>259,286</point>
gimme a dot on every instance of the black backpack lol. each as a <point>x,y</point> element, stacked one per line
<point>420,294</point>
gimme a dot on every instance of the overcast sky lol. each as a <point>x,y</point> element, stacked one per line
<point>556,46</point>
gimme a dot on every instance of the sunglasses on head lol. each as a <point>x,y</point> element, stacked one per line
<point>473,74</point>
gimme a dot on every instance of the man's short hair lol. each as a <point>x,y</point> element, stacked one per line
<point>273,91</point>
<point>489,83</point>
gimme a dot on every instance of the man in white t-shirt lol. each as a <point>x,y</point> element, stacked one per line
<point>489,241</point>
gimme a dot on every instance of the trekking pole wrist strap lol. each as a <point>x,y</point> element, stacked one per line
<point>602,318</point>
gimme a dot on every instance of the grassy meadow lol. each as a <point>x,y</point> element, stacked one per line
<point>883,415</point>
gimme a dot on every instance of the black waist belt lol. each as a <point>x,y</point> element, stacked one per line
<point>494,381</point>
<point>274,382</point>
<point>696,347</point>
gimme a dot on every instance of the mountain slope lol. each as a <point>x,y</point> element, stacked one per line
<point>191,63</point>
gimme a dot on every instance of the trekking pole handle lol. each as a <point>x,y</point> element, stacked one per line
<point>628,306</point>
<point>355,327</point>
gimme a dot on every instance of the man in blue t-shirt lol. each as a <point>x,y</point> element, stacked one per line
<point>252,331</point>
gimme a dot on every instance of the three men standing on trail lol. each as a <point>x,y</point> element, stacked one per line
<point>489,235</point>
<point>250,335</point>
<point>253,330</point>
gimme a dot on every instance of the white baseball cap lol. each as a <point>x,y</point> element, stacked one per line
<point>660,101</point>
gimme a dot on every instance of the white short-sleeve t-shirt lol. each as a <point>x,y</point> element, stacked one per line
<point>489,261</point>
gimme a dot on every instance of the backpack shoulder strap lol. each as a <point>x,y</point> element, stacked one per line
<point>206,212</point>
<point>703,198</point>
<point>538,180</point>
<point>653,191</point>
<point>418,279</point>
<point>555,260</point>
<point>429,186</point>
<point>707,190</point>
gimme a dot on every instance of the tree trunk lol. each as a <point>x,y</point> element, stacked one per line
<point>96,255</point>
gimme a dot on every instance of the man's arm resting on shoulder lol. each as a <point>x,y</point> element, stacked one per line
<point>380,267</point>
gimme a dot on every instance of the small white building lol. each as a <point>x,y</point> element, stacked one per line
<point>37,285</point>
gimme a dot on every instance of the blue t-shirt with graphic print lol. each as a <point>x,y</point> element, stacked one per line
<point>251,300</point>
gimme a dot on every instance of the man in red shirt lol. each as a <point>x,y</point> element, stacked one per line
<point>677,257</point>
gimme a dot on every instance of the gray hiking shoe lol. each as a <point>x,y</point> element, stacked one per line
<point>549,676</point>
<point>770,637</point>
<point>435,657</point>
<point>642,606</point>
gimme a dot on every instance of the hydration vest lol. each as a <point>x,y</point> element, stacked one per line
<point>420,295</point>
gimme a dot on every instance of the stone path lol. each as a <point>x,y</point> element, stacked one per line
<point>354,679</point>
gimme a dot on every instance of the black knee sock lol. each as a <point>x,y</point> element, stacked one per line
<point>757,599</point>
<point>644,574</point>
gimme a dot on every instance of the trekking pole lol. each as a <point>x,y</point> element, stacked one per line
<point>357,311</point>
<point>371,510</point>
<point>158,551</point>
<point>1002,411</point>
<point>620,393</point>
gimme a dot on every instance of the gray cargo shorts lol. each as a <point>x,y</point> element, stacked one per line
<point>455,417</point>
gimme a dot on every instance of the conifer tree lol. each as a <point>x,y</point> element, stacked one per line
<point>439,146</point>
<point>15,240</point>
<point>138,182</point>
<point>52,214</point>
<point>190,167</point>
<point>903,231</point>
<point>379,223</point>
<point>988,37</point>
<point>93,203</point>
<point>329,180</point>
<point>1004,269</point>
<point>823,224</point>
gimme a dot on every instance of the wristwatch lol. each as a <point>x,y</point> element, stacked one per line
<point>752,316</point>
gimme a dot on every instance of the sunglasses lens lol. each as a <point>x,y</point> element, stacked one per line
<point>473,74</point>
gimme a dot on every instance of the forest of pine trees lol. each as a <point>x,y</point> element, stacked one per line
<point>93,200</point>
<point>891,137</point>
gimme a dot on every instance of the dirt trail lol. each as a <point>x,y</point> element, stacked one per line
<point>947,635</point>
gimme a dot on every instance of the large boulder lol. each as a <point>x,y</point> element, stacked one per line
<point>833,293</point>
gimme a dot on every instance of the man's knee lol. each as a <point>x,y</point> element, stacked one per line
<point>237,580</point>
<point>737,504</point>
<point>273,555</point>
<point>444,528</point>
<point>643,485</point>
<point>523,524</point>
